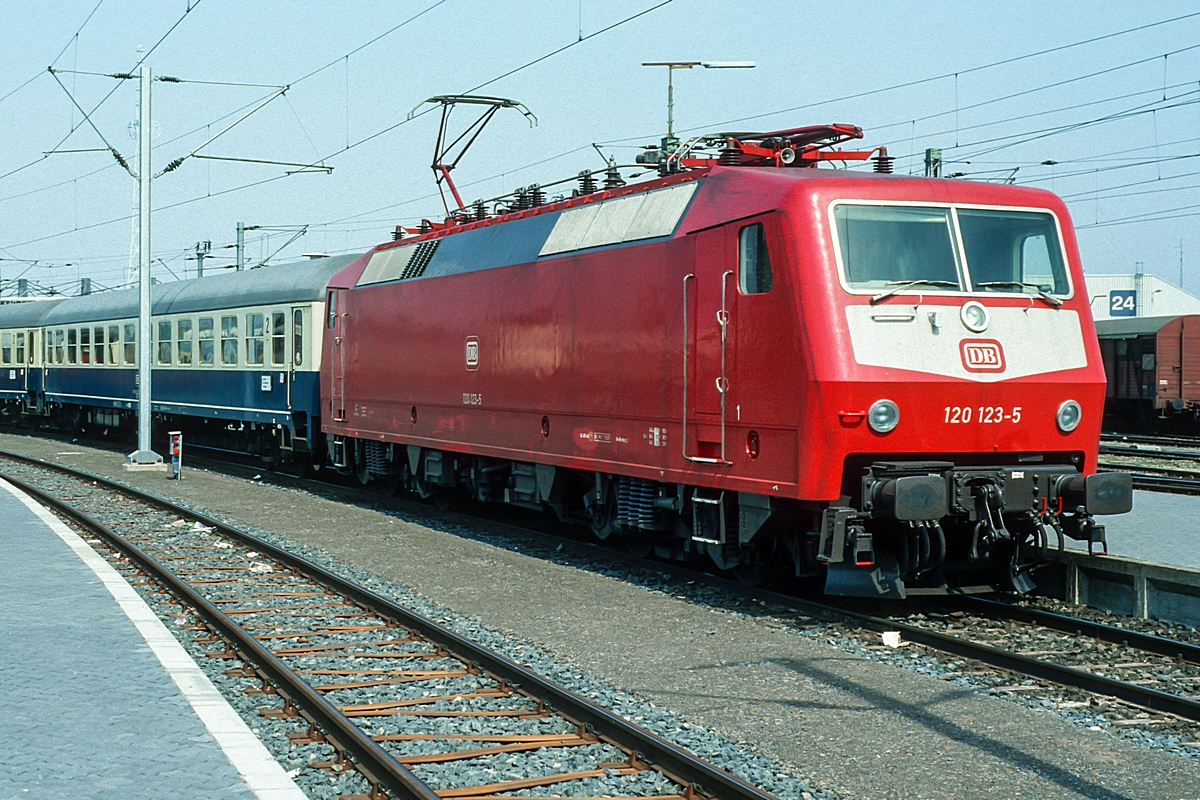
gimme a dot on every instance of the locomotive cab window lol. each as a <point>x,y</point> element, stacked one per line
<point>754,263</point>
<point>886,246</point>
<point>1012,251</point>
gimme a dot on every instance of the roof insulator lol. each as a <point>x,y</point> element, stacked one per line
<point>883,162</point>
<point>587,182</point>
<point>612,176</point>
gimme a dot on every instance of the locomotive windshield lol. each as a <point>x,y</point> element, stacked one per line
<point>884,246</point>
<point>915,248</point>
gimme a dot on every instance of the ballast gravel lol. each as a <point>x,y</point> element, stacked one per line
<point>826,708</point>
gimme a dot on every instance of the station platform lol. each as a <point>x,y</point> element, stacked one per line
<point>97,697</point>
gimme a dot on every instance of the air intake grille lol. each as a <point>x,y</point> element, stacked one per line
<point>420,259</point>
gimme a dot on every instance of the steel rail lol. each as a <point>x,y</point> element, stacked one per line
<point>676,763</point>
<point>1148,642</point>
<point>377,765</point>
<point>1149,452</point>
<point>1165,482</point>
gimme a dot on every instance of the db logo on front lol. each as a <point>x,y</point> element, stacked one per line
<point>472,353</point>
<point>982,355</point>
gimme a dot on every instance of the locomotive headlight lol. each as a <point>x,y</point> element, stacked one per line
<point>1069,414</point>
<point>883,416</point>
<point>975,316</point>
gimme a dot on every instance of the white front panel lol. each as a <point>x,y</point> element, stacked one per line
<point>930,338</point>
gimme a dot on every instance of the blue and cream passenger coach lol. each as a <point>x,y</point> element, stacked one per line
<point>233,354</point>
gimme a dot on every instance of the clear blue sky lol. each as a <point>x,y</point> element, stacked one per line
<point>1128,160</point>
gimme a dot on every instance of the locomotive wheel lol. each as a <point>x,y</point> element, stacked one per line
<point>752,574</point>
<point>639,545</point>
<point>604,519</point>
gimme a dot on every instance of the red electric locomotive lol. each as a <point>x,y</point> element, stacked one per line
<point>889,382</point>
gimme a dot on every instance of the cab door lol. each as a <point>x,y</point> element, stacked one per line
<point>710,314</point>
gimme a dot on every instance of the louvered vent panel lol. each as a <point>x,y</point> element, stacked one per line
<point>420,259</point>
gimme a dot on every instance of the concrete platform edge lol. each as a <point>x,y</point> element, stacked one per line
<point>264,775</point>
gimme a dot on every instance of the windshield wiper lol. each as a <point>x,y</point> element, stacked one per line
<point>1049,298</point>
<point>901,285</point>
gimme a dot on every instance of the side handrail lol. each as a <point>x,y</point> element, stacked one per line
<point>722,384</point>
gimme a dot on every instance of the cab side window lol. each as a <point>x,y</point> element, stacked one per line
<point>754,264</point>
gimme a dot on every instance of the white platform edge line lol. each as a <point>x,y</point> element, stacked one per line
<point>264,775</point>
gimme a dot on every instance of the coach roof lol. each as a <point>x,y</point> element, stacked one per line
<point>302,281</point>
<point>29,314</point>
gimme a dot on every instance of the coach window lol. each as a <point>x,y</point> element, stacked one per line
<point>254,339</point>
<point>114,344</point>
<point>229,341</point>
<point>754,265</point>
<point>183,329</point>
<point>6,348</point>
<point>164,342</point>
<point>21,348</point>
<point>58,346</point>
<point>278,339</point>
<point>130,343</point>
<point>205,331</point>
<point>72,346</point>
<point>297,337</point>
<point>85,346</point>
<point>98,343</point>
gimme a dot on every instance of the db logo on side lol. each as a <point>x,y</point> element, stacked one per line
<point>472,353</point>
<point>982,355</point>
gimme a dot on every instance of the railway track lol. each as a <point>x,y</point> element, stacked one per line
<point>413,708</point>
<point>1115,671</point>
<point>1157,463</point>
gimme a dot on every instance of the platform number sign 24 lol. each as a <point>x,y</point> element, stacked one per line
<point>1122,303</point>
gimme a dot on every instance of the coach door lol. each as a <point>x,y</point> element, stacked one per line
<point>709,295</point>
<point>338,320</point>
